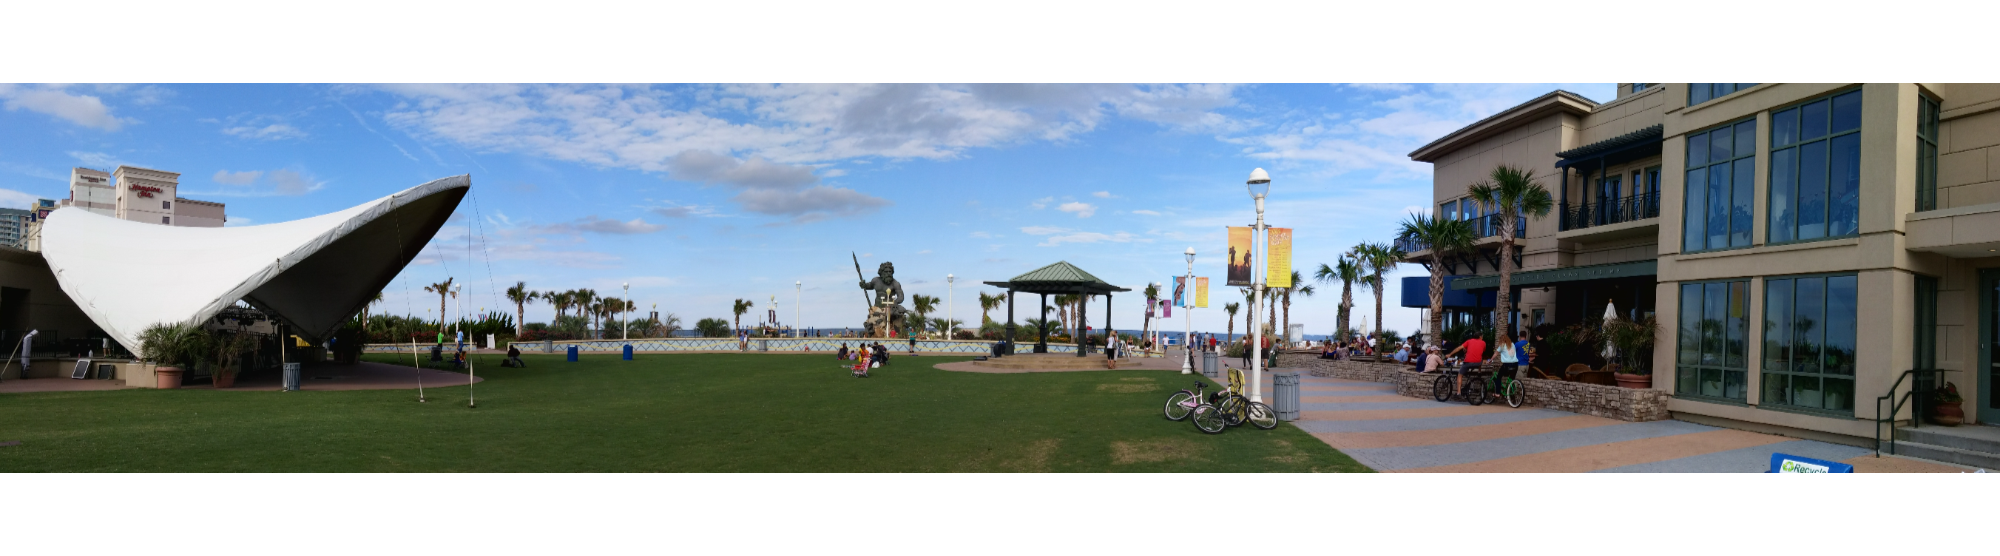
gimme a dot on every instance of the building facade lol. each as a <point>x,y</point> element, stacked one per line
<point>1806,248</point>
<point>141,195</point>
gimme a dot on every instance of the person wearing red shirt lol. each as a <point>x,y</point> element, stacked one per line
<point>1475,351</point>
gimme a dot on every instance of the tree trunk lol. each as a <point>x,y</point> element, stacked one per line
<point>1378,307</point>
<point>1288,316</point>
<point>1503,307</point>
<point>1346,308</point>
<point>520,318</point>
<point>1432,336</point>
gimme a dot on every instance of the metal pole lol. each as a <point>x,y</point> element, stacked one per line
<point>627,335</point>
<point>1187,330</point>
<point>798,289</point>
<point>949,288</point>
<point>1256,293</point>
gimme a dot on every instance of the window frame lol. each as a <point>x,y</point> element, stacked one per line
<point>1734,88</point>
<point>1765,402</point>
<point>1928,110</point>
<point>1687,373</point>
<point>1686,199</point>
<point>1770,180</point>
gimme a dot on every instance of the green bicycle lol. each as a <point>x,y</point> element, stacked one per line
<point>1507,388</point>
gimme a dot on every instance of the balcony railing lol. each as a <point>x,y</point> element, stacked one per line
<point>1614,211</point>
<point>1408,244</point>
<point>1489,225</point>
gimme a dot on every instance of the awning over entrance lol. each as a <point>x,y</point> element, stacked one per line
<point>1417,294</point>
<point>1559,275</point>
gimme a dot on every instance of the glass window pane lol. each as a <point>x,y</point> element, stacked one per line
<point>1698,93</point>
<point>1684,378</point>
<point>1844,186</point>
<point>1697,149</point>
<point>1741,188</point>
<point>1812,190</point>
<point>1711,382</point>
<point>1777,324</point>
<point>1718,206</point>
<point>1812,120</point>
<point>1696,213</point>
<point>1738,325</point>
<point>1448,210</point>
<point>1715,304</point>
<point>1732,384</point>
<point>1721,145</point>
<point>1808,313</point>
<point>1690,334</point>
<point>1777,389</point>
<point>1847,112</point>
<point>1805,391</point>
<point>1784,128</point>
<point>1784,175</point>
<point>1839,393</point>
<point>1840,315</point>
<point>1746,138</point>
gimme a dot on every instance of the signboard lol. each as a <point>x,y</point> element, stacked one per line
<point>1279,244</point>
<point>1180,291</point>
<point>1786,463</point>
<point>1239,256</point>
<point>1201,292</point>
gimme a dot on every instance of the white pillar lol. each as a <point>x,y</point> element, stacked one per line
<point>1257,244</point>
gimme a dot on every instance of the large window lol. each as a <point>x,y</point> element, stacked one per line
<point>1809,342</point>
<point>1714,328</point>
<point>1927,153</point>
<point>1703,92</point>
<point>1816,169</point>
<point>1721,167</point>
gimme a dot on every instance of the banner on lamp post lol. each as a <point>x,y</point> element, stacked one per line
<point>1201,292</point>
<point>1280,258</point>
<point>1180,291</point>
<point>1239,256</point>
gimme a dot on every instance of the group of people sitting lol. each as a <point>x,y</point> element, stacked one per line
<point>865,357</point>
<point>1470,354</point>
<point>1329,349</point>
<point>457,360</point>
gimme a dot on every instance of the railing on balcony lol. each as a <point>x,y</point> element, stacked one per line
<point>1614,211</point>
<point>1489,225</point>
<point>1408,244</point>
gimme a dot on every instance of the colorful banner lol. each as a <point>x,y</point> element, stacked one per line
<point>1180,291</point>
<point>1280,254</point>
<point>1239,256</point>
<point>1166,309</point>
<point>1201,292</point>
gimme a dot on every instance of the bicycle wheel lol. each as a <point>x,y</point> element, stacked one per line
<point>1516,393</point>
<point>1475,391</point>
<point>1262,416</point>
<point>1232,410</point>
<point>1208,419</point>
<point>1441,389</point>
<point>1176,408</point>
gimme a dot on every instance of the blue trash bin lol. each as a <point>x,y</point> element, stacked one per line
<point>1287,395</point>
<point>572,354</point>
<point>628,352</point>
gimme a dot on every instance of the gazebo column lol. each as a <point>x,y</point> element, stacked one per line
<point>1109,332</point>
<point>1042,328</point>
<point>1009,340</point>
<point>1082,333</point>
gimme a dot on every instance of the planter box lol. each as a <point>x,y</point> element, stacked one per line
<point>1611,402</point>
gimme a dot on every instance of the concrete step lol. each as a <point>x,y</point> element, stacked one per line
<point>1970,438</point>
<point>1933,452</point>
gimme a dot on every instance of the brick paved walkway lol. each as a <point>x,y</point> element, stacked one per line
<point>1389,432</point>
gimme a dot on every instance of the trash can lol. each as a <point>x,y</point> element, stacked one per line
<point>763,345</point>
<point>291,376</point>
<point>548,346</point>
<point>628,352</point>
<point>572,354</point>
<point>1208,363</point>
<point>1287,395</point>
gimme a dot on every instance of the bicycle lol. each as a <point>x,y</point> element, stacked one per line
<point>1472,388</point>
<point>1507,388</point>
<point>1186,403</point>
<point>1236,409</point>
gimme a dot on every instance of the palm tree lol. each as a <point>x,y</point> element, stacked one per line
<point>1377,259</point>
<point>1443,238</point>
<point>1347,271</point>
<point>364,309</point>
<point>924,305</point>
<point>521,296</point>
<point>1250,309</point>
<point>586,304</point>
<point>1232,308</point>
<point>554,300</point>
<point>1298,287</point>
<point>1152,296</point>
<point>988,302</point>
<point>610,306</point>
<point>1080,301</point>
<point>442,289</point>
<point>1513,192</point>
<point>742,306</point>
<point>1062,310</point>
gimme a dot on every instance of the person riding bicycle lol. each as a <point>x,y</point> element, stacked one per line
<point>1475,353</point>
<point>1510,362</point>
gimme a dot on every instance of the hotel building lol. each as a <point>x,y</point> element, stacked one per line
<point>1806,248</point>
<point>140,195</point>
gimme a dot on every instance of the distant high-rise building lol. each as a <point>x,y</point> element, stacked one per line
<point>14,227</point>
<point>140,195</point>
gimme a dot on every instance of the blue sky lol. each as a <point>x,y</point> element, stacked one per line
<point>701,194</point>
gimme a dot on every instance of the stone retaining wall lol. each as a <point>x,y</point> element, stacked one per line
<point>1611,402</point>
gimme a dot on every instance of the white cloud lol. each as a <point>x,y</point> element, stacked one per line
<point>97,160</point>
<point>1054,236</point>
<point>245,177</point>
<point>1147,212</point>
<point>290,182</point>
<point>1103,195</point>
<point>685,211</point>
<point>593,224</point>
<point>14,199</point>
<point>270,132</point>
<point>1082,210</point>
<point>83,110</point>
<point>1041,203</point>
<point>765,187</point>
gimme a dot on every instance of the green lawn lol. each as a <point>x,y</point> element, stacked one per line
<point>695,412</point>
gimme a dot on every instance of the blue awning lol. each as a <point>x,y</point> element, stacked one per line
<point>1417,294</point>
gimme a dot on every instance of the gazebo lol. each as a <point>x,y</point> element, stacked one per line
<point>1058,278</point>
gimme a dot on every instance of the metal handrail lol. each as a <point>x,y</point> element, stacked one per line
<point>1489,225</point>
<point>1616,211</point>
<point>1897,407</point>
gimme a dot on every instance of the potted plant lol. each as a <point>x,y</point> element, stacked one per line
<point>174,348</point>
<point>228,348</point>
<point>1634,342</point>
<point>1945,408</point>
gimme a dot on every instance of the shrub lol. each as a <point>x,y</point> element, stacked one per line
<point>712,328</point>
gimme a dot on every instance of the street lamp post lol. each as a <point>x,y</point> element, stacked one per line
<point>627,334</point>
<point>1259,185</point>
<point>798,289</point>
<point>948,289</point>
<point>1187,333</point>
<point>458,306</point>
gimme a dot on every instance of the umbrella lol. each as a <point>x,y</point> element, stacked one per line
<point>1610,314</point>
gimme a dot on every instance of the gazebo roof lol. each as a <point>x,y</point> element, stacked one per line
<point>1060,277</point>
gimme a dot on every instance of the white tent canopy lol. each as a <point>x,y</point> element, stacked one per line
<point>313,273</point>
